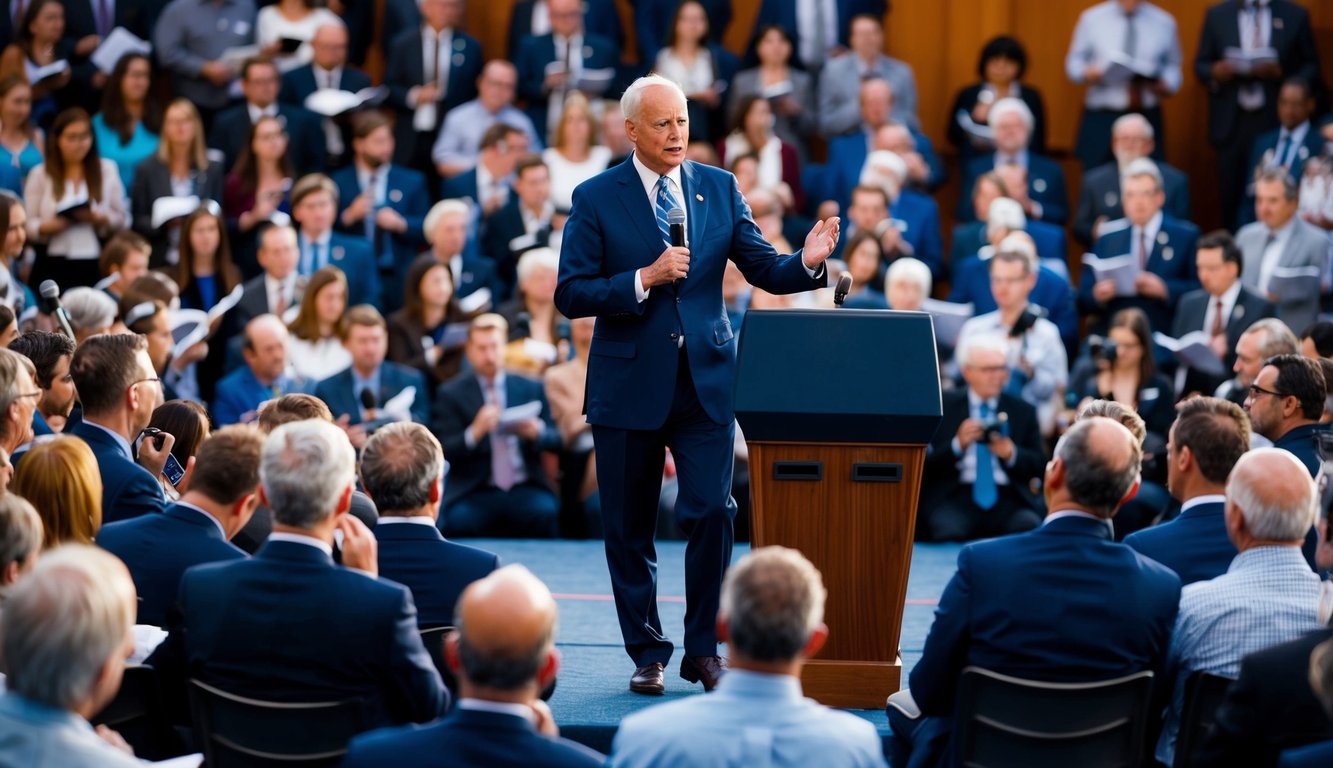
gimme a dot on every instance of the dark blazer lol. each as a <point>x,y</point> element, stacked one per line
<point>299,83</point>
<point>600,17</point>
<point>1313,756</point>
<point>1302,443</point>
<point>1157,397</point>
<point>1191,313</point>
<point>405,69</point>
<point>1090,609</point>
<point>941,471</point>
<point>80,21</point>
<point>289,625</point>
<point>158,549</point>
<point>1046,185</point>
<point>463,187</point>
<point>253,303</point>
<point>504,242</point>
<point>847,155</point>
<point>1099,196</point>
<point>456,405</point>
<point>468,737</point>
<point>966,100</point>
<point>1291,37</point>
<point>1268,709</point>
<point>654,18</point>
<point>1194,545</point>
<point>409,340</point>
<point>610,234</point>
<point>339,392</point>
<point>305,136</point>
<point>971,284</point>
<point>435,569</point>
<point>128,490</point>
<point>535,52</point>
<point>353,256</point>
<point>970,237</point>
<point>783,14</point>
<point>1172,259</point>
<point>922,216</point>
<point>405,192</point>
<point>152,179</point>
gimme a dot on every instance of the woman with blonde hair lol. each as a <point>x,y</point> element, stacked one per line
<point>315,350</point>
<point>574,155</point>
<point>178,168</point>
<point>59,477</point>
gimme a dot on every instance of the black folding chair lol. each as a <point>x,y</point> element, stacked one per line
<point>139,716</point>
<point>1203,695</point>
<point>238,732</point>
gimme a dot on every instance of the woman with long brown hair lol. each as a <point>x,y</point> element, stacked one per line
<point>205,272</point>
<point>126,127</point>
<point>316,350</point>
<point>417,332</point>
<point>39,41</point>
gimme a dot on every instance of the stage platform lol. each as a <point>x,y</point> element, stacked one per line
<point>593,695</point>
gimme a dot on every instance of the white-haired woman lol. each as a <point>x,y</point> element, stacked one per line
<point>537,331</point>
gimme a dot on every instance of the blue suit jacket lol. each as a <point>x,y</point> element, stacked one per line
<point>353,256</point>
<point>970,237</point>
<point>1172,259</point>
<point>405,193</point>
<point>128,490</point>
<point>1099,197</point>
<point>158,549</point>
<point>611,233</point>
<point>1301,443</point>
<point>305,136</point>
<point>1060,603</point>
<point>537,51</point>
<point>847,154</point>
<point>468,737</point>
<point>339,392</point>
<point>971,283</point>
<point>289,625</point>
<point>1046,185</point>
<point>922,216</point>
<point>1194,545</point>
<point>1314,756</point>
<point>299,83</point>
<point>239,394</point>
<point>435,569</point>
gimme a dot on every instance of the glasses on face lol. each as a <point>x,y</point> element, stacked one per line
<point>990,369</point>
<point>154,379</point>
<point>1256,390</point>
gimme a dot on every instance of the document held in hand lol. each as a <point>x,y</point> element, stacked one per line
<point>1193,350</point>
<point>1123,270</point>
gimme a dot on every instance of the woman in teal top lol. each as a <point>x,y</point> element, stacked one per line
<point>121,127</point>
<point>20,142</point>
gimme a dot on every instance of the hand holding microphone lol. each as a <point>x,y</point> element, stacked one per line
<point>674,263</point>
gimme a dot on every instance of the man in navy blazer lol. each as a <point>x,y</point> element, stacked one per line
<point>328,68</point>
<point>1045,197</point>
<point>260,84</point>
<point>403,472</point>
<point>663,361</point>
<point>526,222</point>
<point>1295,140</point>
<point>446,228</point>
<point>119,390</point>
<point>847,154</point>
<point>290,625</point>
<point>371,379</point>
<point>1090,609</point>
<point>222,495</point>
<point>1099,192</point>
<point>572,50</point>
<point>382,202</point>
<point>314,209</point>
<point>1205,441</point>
<point>503,655</point>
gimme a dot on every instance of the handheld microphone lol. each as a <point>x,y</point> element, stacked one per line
<point>842,289</point>
<point>676,220</point>
<point>50,293</point>
<point>368,400</point>
<point>369,403</point>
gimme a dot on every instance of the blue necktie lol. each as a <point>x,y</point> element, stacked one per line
<point>1283,147</point>
<point>984,493</point>
<point>316,257</point>
<point>664,203</point>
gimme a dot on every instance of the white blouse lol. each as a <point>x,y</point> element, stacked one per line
<point>317,360</point>
<point>79,240</point>
<point>567,174</point>
<point>271,26</point>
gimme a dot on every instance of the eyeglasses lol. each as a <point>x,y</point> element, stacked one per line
<point>1256,390</point>
<point>155,380</point>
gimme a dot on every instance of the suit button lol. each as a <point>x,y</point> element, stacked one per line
<point>677,299</point>
<point>675,336</point>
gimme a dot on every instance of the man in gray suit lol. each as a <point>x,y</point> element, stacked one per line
<point>1280,241</point>
<point>840,81</point>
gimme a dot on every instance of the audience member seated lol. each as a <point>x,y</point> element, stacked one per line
<point>119,390</point>
<point>275,290</point>
<point>538,333</point>
<point>180,167</point>
<point>1067,563</point>
<point>260,83</point>
<point>1162,248</point>
<point>1285,404</point>
<point>190,40</point>
<point>91,312</point>
<point>187,421</point>
<point>1317,340</point>
<point>273,414</point>
<point>550,66</point>
<point>504,655</point>
<point>528,220</point>
<point>347,634</point>
<point>795,117</point>
<point>1267,338</point>
<point>357,395</point>
<point>125,128</point>
<point>21,144</point>
<point>1012,124</point>
<point>315,348</point>
<point>1099,194</point>
<point>985,454</point>
<point>847,153</point>
<point>906,284</point>
<point>1268,596</point>
<point>575,154</point>
<point>126,257</point>
<point>457,148</point>
<point>39,41</point>
<point>913,214</point>
<point>771,618</point>
<point>1223,308</point>
<point>865,262</point>
<point>222,495</point>
<point>206,275</point>
<point>692,58</point>
<point>327,67</point>
<point>67,631</point>
<point>869,212</point>
<point>816,40</point>
<point>152,319</point>
<point>1001,66</point>
<point>314,208</point>
<point>841,76</point>
<point>419,332</point>
<point>403,471</point>
<point>1207,438</point>
<point>1280,241</point>
<point>971,236</point>
<point>1321,680</point>
<point>498,486</point>
<point>59,478</point>
<point>486,187</point>
<point>13,292</point>
<point>20,541</point>
<point>290,20</point>
<point>446,230</point>
<point>1287,146</point>
<point>50,354</point>
<point>265,375</point>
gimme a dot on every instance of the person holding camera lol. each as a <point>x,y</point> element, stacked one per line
<point>986,453</point>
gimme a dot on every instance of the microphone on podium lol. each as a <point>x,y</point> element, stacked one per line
<point>50,293</point>
<point>842,289</point>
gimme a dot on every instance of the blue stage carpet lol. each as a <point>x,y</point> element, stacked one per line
<point>593,695</point>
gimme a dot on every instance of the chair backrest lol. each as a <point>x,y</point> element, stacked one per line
<point>138,697</point>
<point>1007,721</point>
<point>234,730</point>
<point>1203,695</point>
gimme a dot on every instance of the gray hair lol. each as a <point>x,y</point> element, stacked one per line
<point>1143,166</point>
<point>439,211</point>
<point>1021,244</point>
<point>885,170</point>
<point>63,622</point>
<point>89,308</point>
<point>773,599</point>
<point>1093,482</point>
<point>1290,188</point>
<point>535,259</point>
<point>1266,517</point>
<point>399,465</point>
<point>632,100</point>
<point>1278,339</point>
<point>20,531</point>
<point>982,342</point>
<point>910,270</point>
<point>1130,121</point>
<point>1010,104</point>
<point>306,467</point>
<point>1005,213</point>
<point>12,367</point>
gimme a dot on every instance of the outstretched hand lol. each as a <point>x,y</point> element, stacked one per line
<point>821,241</point>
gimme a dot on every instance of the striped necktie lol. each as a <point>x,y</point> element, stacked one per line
<point>664,203</point>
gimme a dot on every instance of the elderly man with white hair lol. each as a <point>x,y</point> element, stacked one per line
<point>1268,596</point>
<point>915,215</point>
<point>1099,192</point>
<point>446,229</point>
<point>1011,122</point>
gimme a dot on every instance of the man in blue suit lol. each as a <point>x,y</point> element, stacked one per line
<point>550,65</point>
<point>487,186</point>
<point>1288,146</point>
<point>356,395</point>
<point>503,655</point>
<point>1044,197</point>
<point>260,85</point>
<point>446,230</point>
<point>328,68</point>
<point>1099,192</point>
<point>264,376</point>
<point>1162,246</point>
<point>289,624</point>
<point>663,361</point>
<point>119,390</point>
<point>1205,441</point>
<point>971,236</point>
<point>50,354</point>
<point>222,495</point>
<point>403,472</point>
<point>1114,619</point>
<point>314,209</point>
<point>384,203</point>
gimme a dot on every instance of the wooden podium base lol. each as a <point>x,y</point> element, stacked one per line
<point>851,684</point>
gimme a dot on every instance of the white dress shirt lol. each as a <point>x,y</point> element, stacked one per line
<point>1100,38</point>
<point>1228,299</point>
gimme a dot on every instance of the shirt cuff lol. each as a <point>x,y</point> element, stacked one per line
<point>641,293</point>
<point>957,447</point>
<point>1038,210</point>
<point>468,440</point>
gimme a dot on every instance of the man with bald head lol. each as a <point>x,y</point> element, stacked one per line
<point>1059,569</point>
<point>1268,596</point>
<point>504,655</point>
<point>265,375</point>
<point>663,361</point>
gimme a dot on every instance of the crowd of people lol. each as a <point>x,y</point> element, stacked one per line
<point>251,300</point>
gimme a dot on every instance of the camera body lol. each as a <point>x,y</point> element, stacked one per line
<point>1028,318</point>
<point>995,426</point>
<point>1102,348</point>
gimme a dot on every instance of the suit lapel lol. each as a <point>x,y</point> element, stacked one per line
<point>696,203</point>
<point>639,209</point>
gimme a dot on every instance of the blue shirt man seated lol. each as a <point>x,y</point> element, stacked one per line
<point>265,375</point>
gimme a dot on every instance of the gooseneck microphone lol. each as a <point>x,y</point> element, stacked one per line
<point>843,287</point>
<point>50,293</point>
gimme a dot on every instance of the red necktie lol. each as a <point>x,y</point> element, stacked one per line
<point>1219,327</point>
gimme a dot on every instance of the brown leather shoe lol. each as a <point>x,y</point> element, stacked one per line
<point>705,669</point>
<point>649,679</point>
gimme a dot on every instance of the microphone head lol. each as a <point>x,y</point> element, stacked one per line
<point>675,216</point>
<point>844,285</point>
<point>49,289</point>
<point>368,400</point>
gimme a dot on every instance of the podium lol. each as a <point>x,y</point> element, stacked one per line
<point>837,407</point>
